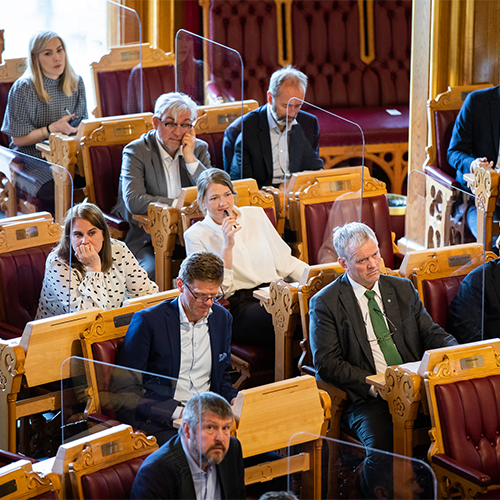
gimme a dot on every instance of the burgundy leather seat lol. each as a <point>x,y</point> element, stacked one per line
<point>214,142</point>
<point>113,92</point>
<point>112,483</point>
<point>438,295</point>
<point>21,278</point>
<point>106,164</point>
<point>375,215</point>
<point>470,423</point>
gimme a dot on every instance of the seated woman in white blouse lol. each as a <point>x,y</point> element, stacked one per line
<point>252,250</point>
<point>90,269</point>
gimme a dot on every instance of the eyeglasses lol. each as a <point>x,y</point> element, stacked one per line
<point>203,298</point>
<point>185,127</point>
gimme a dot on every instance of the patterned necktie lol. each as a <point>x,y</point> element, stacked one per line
<point>387,346</point>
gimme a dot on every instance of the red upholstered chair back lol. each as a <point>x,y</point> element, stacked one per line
<point>50,495</point>
<point>438,294</point>
<point>214,142</point>
<point>106,164</point>
<point>444,121</point>
<point>4,94</point>
<point>113,87</point>
<point>375,215</point>
<point>250,28</point>
<point>105,352</point>
<point>21,278</point>
<point>112,483</point>
<point>469,413</point>
<point>156,81</point>
<point>325,39</point>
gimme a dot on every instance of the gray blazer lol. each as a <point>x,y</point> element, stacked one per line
<point>341,351</point>
<point>143,181</point>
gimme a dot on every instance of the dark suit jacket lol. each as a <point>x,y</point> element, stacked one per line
<point>476,131</point>
<point>466,309</point>
<point>303,146</point>
<point>165,474</point>
<point>153,344</point>
<point>143,181</point>
<point>341,351</point>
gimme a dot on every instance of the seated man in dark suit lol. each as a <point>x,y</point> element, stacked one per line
<point>157,166</point>
<point>261,151</point>
<point>187,339</point>
<point>467,308</point>
<point>475,140</point>
<point>202,461</point>
<point>363,322</point>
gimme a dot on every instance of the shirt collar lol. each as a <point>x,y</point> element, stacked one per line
<point>359,290</point>
<point>273,124</point>
<point>184,320</point>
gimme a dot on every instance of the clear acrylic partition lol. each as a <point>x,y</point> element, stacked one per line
<point>352,471</point>
<point>439,216</point>
<point>88,36</point>
<point>212,75</point>
<point>95,396</point>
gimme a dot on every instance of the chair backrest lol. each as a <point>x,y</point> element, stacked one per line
<point>111,75</point>
<point>10,71</point>
<point>25,243</point>
<point>441,115</point>
<point>18,481</point>
<point>315,200</point>
<point>463,390</point>
<point>103,465</point>
<point>102,157</point>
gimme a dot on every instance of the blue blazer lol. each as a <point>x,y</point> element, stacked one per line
<point>153,344</point>
<point>257,154</point>
<point>476,131</point>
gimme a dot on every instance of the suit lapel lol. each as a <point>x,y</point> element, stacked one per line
<point>294,141</point>
<point>173,335</point>
<point>495,122</point>
<point>213,328</point>
<point>394,321</point>
<point>350,304</point>
<point>495,282</point>
<point>157,164</point>
<point>265,140</point>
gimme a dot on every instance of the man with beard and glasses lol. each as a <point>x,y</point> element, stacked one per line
<point>201,462</point>
<point>269,147</point>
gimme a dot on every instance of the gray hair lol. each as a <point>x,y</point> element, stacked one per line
<point>173,104</point>
<point>202,266</point>
<point>350,236</point>
<point>288,74</point>
<point>202,403</point>
<point>208,177</point>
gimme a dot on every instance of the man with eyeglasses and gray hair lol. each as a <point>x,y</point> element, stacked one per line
<point>187,339</point>
<point>363,322</point>
<point>157,166</point>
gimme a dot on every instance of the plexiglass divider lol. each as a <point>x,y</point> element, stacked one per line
<point>353,471</point>
<point>96,395</point>
<point>441,224</point>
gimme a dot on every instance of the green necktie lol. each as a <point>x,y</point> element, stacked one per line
<point>387,346</point>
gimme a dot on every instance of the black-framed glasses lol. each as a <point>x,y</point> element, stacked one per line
<point>185,127</point>
<point>203,298</point>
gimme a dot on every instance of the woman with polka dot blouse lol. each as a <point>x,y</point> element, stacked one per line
<point>90,269</point>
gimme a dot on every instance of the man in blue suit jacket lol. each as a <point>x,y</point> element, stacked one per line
<point>187,339</point>
<point>267,132</point>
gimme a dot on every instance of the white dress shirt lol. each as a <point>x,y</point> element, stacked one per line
<point>196,359</point>
<point>378,356</point>
<point>206,484</point>
<point>259,253</point>
<point>279,146</point>
<point>172,172</point>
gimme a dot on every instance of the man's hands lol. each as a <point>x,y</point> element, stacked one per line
<point>188,143</point>
<point>480,162</point>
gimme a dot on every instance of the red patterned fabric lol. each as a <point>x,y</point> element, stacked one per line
<point>438,295</point>
<point>470,422</point>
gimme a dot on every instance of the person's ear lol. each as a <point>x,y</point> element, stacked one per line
<point>156,122</point>
<point>269,98</point>
<point>186,430</point>
<point>343,263</point>
<point>180,284</point>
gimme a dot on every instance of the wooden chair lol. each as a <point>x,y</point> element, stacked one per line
<point>10,71</point>
<point>102,465</point>
<point>111,78</point>
<point>463,390</point>
<point>102,160</point>
<point>442,195</point>
<point>18,481</point>
<point>25,243</point>
<point>303,413</point>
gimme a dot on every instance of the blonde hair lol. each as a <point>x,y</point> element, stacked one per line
<point>68,81</point>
